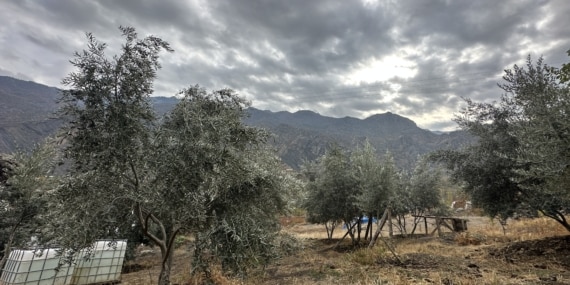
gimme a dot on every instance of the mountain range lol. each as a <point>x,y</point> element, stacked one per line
<point>26,117</point>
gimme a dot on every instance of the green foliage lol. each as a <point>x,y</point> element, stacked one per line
<point>108,116</point>
<point>245,233</point>
<point>424,184</point>
<point>108,104</point>
<point>417,194</point>
<point>295,191</point>
<point>332,194</point>
<point>564,73</point>
<point>419,191</point>
<point>376,181</point>
<point>199,170</point>
<point>25,191</point>
<point>486,169</point>
<point>231,186</point>
<point>343,187</point>
<point>390,181</point>
<point>242,240</point>
<point>522,156</point>
<point>539,96</point>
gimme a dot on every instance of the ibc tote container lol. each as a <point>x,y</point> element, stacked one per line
<point>103,265</point>
<point>35,267</point>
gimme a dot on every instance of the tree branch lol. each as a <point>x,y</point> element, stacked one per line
<point>144,224</point>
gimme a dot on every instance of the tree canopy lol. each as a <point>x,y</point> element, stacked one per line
<point>345,187</point>
<point>522,157</point>
<point>26,182</point>
<point>332,194</point>
<point>199,170</point>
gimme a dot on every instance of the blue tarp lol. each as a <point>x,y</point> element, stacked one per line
<point>364,220</point>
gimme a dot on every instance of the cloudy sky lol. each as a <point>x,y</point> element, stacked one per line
<point>338,58</point>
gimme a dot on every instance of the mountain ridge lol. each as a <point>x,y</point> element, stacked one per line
<point>26,117</point>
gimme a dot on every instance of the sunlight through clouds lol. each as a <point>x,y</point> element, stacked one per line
<point>381,70</point>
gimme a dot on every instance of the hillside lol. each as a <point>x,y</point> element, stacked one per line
<point>305,135</point>
<point>25,113</point>
<point>26,117</point>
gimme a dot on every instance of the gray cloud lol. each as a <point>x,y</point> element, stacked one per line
<point>292,55</point>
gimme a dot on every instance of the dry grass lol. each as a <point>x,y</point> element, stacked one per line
<point>482,255</point>
<point>521,230</point>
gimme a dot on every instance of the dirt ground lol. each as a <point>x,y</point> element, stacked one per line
<point>482,255</point>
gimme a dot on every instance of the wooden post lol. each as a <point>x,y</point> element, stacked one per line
<point>344,236</point>
<point>379,228</point>
<point>459,225</point>
<point>425,224</point>
<point>390,227</point>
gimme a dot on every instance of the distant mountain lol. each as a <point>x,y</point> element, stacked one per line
<point>305,135</point>
<point>26,111</point>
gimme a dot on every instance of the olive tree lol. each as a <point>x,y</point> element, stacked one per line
<point>539,99</point>
<point>316,204</point>
<point>521,158</point>
<point>486,170</point>
<point>245,227</point>
<point>424,195</point>
<point>166,177</point>
<point>107,138</point>
<point>214,174</point>
<point>376,181</point>
<point>26,180</point>
<point>332,194</point>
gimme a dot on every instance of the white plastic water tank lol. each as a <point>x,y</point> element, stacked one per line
<point>102,266</point>
<point>36,267</point>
